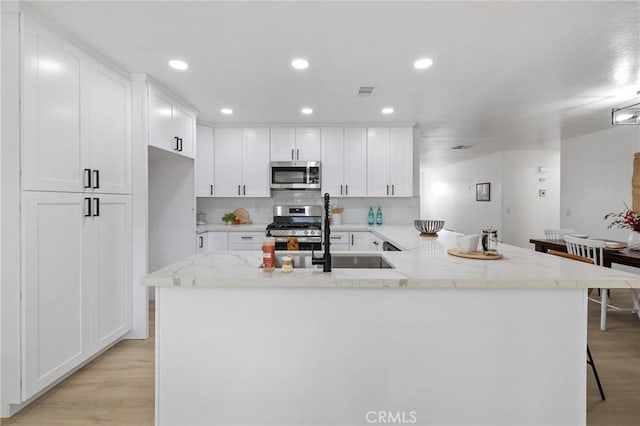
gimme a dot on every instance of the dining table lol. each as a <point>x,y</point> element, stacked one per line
<point>622,256</point>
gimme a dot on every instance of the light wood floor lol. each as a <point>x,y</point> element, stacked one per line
<point>118,388</point>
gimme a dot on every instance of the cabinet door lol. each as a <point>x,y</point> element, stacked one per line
<point>110,253</point>
<point>355,162</point>
<point>55,298</point>
<point>202,242</point>
<point>308,144</point>
<point>184,125</point>
<point>378,184</point>
<point>333,161</point>
<point>204,162</point>
<point>360,241</point>
<point>401,162</point>
<point>110,134</point>
<point>161,121</point>
<point>255,167</point>
<point>217,241</point>
<point>227,162</point>
<point>283,144</point>
<point>52,103</point>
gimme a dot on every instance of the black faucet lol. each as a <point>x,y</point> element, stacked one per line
<point>325,260</point>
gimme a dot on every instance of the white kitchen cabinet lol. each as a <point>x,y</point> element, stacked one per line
<point>110,132</point>
<point>245,240</point>
<point>390,162</point>
<point>202,242</point>
<point>76,130</point>
<point>204,161</point>
<point>218,241</point>
<point>107,271</point>
<point>293,144</point>
<point>76,279</point>
<point>241,162</point>
<point>360,241</point>
<point>172,126</point>
<point>56,302</point>
<point>344,161</point>
<point>339,241</point>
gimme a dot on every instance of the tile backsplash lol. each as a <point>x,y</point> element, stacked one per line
<point>394,210</point>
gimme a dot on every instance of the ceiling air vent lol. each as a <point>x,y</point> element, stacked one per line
<point>462,147</point>
<point>366,90</point>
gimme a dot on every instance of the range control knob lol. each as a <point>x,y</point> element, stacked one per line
<point>306,232</point>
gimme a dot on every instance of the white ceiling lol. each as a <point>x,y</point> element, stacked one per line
<point>504,73</point>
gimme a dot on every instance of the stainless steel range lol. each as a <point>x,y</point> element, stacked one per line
<point>299,226</point>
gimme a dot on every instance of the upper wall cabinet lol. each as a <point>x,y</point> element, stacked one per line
<point>204,161</point>
<point>289,144</point>
<point>172,126</point>
<point>390,162</point>
<point>344,161</point>
<point>241,162</point>
<point>76,129</point>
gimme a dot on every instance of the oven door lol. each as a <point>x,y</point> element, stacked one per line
<point>304,243</point>
<point>295,175</point>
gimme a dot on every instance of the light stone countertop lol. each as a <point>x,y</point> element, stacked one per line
<point>424,263</point>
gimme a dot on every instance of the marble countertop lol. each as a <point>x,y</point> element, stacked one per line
<point>424,263</point>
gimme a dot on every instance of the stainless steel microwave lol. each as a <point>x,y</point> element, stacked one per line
<point>300,175</point>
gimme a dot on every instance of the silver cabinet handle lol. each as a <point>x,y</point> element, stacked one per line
<point>346,190</point>
<point>97,211</point>
<point>245,237</point>
<point>244,189</point>
<point>292,154</point>
<point>297,154</point>
<point>340,189</point>
<point>201,242</point>
<point>387,189</point>
<point>238,189</point>
<point>393,190</point>
<point>211,189</point>
<point>375,243</point>
<point>351,239</point>
<point>88,206</point>
<point>96,175</point>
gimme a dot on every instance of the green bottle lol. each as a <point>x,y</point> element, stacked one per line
<point>371,218</point>
<point>379,216</point>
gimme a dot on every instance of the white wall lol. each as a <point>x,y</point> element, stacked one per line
<point>394,210</point>
<point>596,179</point>
<point>171,208</point>
<point>515,210</point>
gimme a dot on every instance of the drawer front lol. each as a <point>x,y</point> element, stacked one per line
<point>339,238</point>
<point>246,238</point>
<point>245,246</point>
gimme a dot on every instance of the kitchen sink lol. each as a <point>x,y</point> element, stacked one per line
<point>338,261</point>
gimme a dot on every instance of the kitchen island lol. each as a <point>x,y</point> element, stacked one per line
<point>437,340</point>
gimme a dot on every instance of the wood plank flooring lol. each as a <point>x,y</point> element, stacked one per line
<point>118,387</point>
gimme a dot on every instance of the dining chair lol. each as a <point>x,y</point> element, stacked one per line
<point>590,360</point>
<point>557,234</point>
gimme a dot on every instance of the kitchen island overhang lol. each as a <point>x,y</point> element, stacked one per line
<point>325,349</point>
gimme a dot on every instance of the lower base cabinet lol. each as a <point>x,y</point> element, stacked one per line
<point>76,270</point>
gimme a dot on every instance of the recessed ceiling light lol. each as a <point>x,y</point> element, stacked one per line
<point>306,111</point>
<point>423,63</point>
<point>300,64</point>
<point>226,111</point>
<point>178,64</point>
<point>387,110</point>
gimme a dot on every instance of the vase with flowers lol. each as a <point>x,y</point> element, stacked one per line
<point>627,219</point>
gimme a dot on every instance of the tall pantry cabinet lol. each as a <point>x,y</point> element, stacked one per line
<point>76,207</point>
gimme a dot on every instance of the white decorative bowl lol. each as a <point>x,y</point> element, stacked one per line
<point>428,227</point>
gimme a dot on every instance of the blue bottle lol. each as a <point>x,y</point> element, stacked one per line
<point>379,216</point>
<point>371,218</point>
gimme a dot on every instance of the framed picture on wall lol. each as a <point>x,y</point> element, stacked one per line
<point>483,191</point>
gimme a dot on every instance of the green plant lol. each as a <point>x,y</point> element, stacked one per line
<point>228,218</point>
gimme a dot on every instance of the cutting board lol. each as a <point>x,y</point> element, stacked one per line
<point>474,255</point>
<point>242,215</point>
